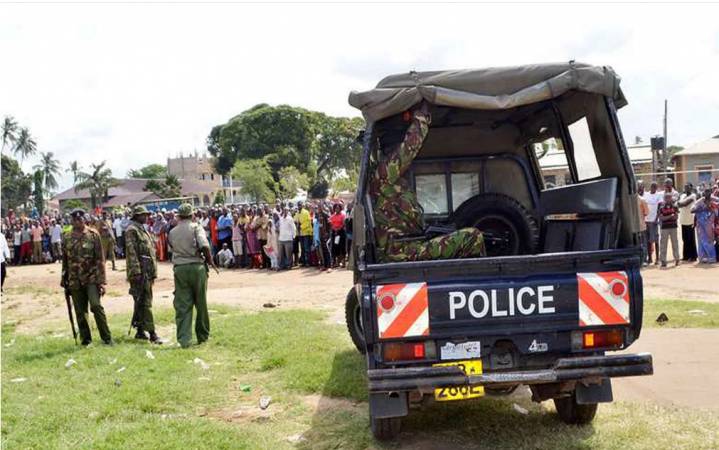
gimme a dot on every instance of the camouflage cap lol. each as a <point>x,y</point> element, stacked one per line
<point>185,210</point>
<point>139,210</point>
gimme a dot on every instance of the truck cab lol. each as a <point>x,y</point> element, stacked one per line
<point>533,157</point>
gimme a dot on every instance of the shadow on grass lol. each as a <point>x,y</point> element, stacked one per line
<point>341,419</point>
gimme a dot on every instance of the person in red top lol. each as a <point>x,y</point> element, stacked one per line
<point>213,232</point>
<point>668,214</point>
<point>337,224</point>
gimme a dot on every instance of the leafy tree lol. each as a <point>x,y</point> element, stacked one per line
<point>16,185</point>
<point>317,145</point>
<point>151,171</point>
<point>170,187</point>
<point>98,182</point>
<point>25,144</point>
<point>9,131</point>
<point>73,203</point>
<point>74,169</point>
<point>219,198</point>
<point>50,168</point>
<point>38,193</point>
<point>291,181</point>
<point>255,179</point>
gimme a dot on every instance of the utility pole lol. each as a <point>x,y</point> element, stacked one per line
<point>665,155</point>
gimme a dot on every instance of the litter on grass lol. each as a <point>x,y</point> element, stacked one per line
<point>70,362</point>
<point>245,387</point>
<point>201,363</point>
<point>265,402</point>
<point>519,409</point>
<point>697,312</point>
<point>121,369</point>
<point>18,380</point>
<point>149,355</point>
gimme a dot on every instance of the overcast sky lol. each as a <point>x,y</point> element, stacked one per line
<point>134,84</point>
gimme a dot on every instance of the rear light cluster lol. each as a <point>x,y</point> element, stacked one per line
<point>612,338</point>
<point>408,351</point>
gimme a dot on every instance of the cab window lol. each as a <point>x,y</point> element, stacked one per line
<point>432,193</point>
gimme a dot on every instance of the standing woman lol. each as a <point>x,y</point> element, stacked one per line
<point>236,239</point>
<point>253,244</point>
<point>337,223</point>
<point>705,212</point>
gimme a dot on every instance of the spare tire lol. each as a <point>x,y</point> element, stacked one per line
<point>509,228</point>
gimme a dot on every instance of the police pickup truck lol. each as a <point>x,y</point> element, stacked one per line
<point>534,158</point>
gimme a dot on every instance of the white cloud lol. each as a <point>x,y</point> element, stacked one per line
<point>134,84</point>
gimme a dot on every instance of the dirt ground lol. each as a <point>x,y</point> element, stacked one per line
<point>686,360</point>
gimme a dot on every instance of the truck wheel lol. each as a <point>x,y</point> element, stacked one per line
<point>573,413</point>
<point>353,317</point>
<point>385,429</point>
<point>509,228</point>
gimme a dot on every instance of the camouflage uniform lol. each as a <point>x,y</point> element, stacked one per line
<point>107,239</point>
<point>83,271</point>
<point>140,247</point>
<point>398,214</point>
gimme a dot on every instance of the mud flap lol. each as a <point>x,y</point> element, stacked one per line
<point>594,393</point>
<point>383,406</point>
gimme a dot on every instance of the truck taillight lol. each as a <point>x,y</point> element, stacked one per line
<point>408,351</point>
<point>600,339</point>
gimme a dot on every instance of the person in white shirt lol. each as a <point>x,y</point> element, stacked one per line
<point>285,237</point>
<point>119,235</point>
<point>653,198</point>
<point>225,258</point>
<point>4,255</point>
<point>686,220</point>
<point>17,243</point>
<point>56,241</point>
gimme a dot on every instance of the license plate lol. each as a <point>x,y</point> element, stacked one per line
<point>462,392</point>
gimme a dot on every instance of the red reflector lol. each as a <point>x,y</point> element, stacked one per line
<point>406,116</point>
<point>387,302</point>
<point>619,288</point>
<point>400,351</point>
<point>613,338</point>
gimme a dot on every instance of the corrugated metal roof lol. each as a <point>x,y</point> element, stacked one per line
<point>708,147</point>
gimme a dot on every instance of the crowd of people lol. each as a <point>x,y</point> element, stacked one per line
<point>695,211</point>
<point>256,236</point>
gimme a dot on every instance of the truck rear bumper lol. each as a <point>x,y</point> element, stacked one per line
<point>565,369</point>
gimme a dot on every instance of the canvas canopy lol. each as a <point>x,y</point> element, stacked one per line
<point>486,89</point>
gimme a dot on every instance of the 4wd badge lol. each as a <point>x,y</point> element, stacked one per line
<point>463,350</point>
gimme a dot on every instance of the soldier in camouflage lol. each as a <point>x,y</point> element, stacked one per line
<point>397,212</point>
<point>104,227</point>
<point>83,275</point>
<point>141,267</point>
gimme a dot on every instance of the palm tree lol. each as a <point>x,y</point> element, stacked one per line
<point>25,144</point>
<point>9,131</point>
<point>173,187</point>
<point>74,169</point>
<point>50,168</point>
<point>98,182</point>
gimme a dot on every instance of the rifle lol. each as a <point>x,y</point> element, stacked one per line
<point>69,313</point>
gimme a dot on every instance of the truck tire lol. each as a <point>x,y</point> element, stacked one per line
<point>385,429</point>
<point>353,317</point>
<point>510,227</point>
<point>570,412</point>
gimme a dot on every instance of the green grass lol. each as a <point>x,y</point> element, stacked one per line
<point>678,313</point>
<point>171,402</point>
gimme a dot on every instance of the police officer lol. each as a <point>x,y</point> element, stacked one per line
<point>397,212</point>
<point>141,273</point>
<point>107,238</point>
<point>190,254</point>
<point>83,274</point>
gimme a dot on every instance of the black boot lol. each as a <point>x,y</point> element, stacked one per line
<point>140,334</point>
<point>155,339</point>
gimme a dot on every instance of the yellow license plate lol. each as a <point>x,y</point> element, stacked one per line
<point>463,392</point>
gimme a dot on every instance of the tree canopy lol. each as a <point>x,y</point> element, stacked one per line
<point>98,182</point>
<point>16,185</point>
<point>170,187</point>
<point>151,171</point>
<point>319,147</point>
<point>256,179</point>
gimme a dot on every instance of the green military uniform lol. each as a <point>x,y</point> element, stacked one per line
<point>141,268</point>
<point>186,239</point>
<point>107,239</point>
<point>398,214</point>
<point>83,272</point>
